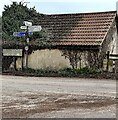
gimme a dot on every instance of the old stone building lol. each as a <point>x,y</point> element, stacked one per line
<point>87,36</point>
<point>78,40</point>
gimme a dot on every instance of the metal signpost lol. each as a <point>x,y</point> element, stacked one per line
<point>29,30</point>
<point>27,24</point>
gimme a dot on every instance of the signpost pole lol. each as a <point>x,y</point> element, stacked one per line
<point>14,60</point>
<point>22,62</point>
<point>26,48</point>
<point>29,30</point>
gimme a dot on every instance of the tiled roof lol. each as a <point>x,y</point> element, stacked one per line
<point>78,29</point>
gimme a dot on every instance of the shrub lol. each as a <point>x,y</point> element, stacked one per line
<point>66,72</point>
<point>87,71</point>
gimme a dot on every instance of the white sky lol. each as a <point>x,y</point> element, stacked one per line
<point>66,6</point>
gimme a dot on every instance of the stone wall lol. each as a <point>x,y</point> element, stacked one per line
<point>53,59</point>
<point>43,59</point>
<point>107,45</point>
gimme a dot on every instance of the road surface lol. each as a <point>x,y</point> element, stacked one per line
<point>54,97</point>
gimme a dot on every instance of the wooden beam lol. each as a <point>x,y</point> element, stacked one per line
<point>113,55</point>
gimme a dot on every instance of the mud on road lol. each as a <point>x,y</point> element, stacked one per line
<point>28,104</point>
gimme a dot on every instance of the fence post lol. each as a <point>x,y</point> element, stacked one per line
<point>107,61</point>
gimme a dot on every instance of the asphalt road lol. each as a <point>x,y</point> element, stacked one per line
<point>17,90</point>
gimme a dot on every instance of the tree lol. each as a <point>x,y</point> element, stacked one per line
<point>93,59</point>
<point>74,57</point>
<point>13,17</point>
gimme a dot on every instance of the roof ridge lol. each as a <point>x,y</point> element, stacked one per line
<point>82,13</point>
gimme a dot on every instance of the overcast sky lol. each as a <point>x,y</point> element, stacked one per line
<point>66,6</point>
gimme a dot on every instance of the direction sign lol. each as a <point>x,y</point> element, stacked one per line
<point>20,34</point>
<point>31,28</point>
<point>23,27</point>
<point>12,52</point>
<point>27,23</point>
<point>34,28</point>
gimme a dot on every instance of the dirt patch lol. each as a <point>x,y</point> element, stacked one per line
<point>40,103</point>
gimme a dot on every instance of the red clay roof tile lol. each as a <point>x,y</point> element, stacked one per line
<point>78,29</point>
